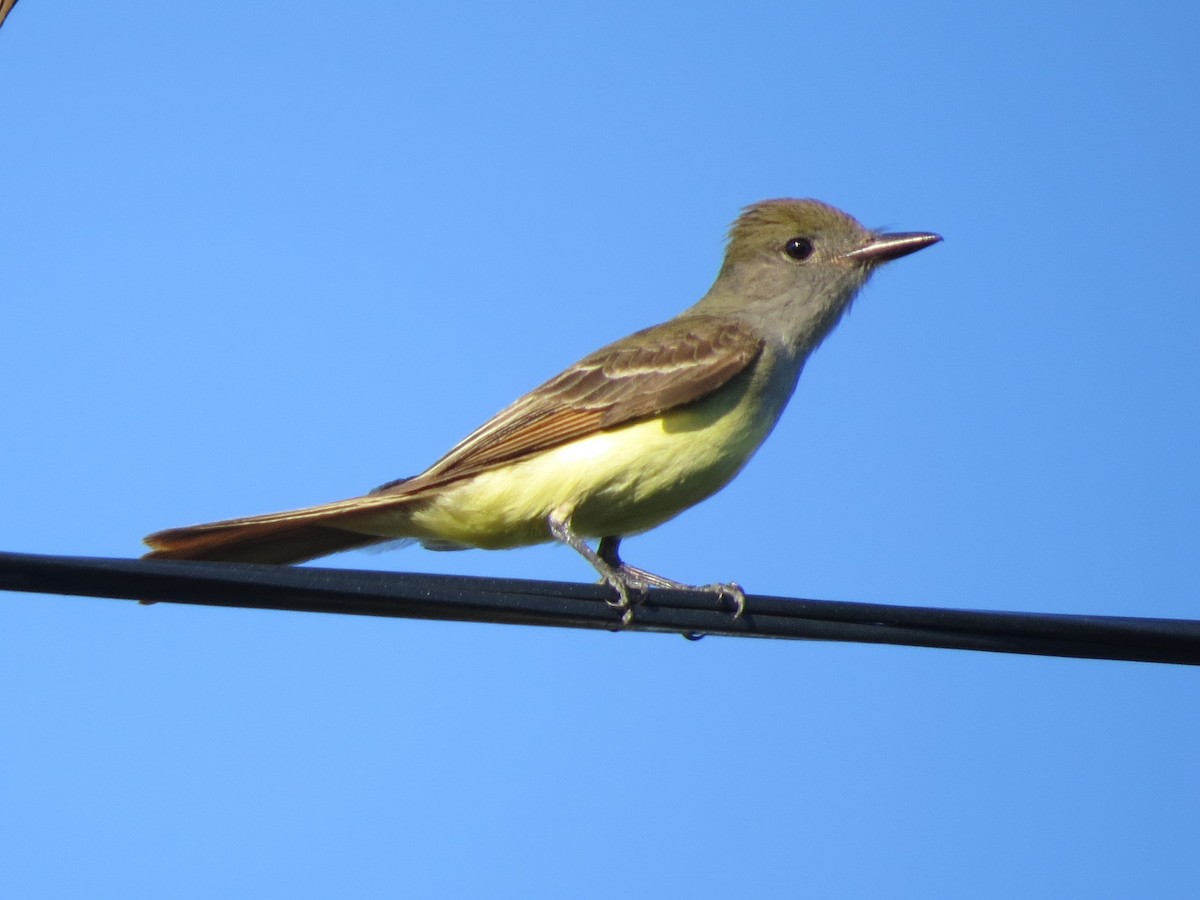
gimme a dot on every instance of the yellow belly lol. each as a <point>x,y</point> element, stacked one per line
<point>617,482</point>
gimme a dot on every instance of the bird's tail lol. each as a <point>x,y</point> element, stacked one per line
<point>287,537</point>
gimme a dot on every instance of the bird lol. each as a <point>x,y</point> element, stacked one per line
<point>624,439</point>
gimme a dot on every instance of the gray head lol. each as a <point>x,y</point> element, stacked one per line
<point>792,267</point>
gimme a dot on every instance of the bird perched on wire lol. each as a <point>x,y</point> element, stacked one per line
<point>624,439</point>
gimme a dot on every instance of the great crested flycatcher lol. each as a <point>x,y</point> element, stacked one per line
<point>624,439</point>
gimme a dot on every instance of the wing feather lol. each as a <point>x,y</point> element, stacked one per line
<point>643,375</point>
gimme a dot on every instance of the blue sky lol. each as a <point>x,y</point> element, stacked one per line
<point>259,257</point>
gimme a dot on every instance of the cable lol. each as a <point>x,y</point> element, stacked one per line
<point>569,605</point>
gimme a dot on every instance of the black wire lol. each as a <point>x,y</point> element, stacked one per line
<point>517,602</point>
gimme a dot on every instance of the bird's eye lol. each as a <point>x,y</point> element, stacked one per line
<point>798,248</point>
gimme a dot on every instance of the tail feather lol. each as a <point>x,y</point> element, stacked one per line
<point>289,537</point>
<point>275,543</point>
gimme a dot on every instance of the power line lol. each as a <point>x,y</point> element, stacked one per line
<point>569,605</point>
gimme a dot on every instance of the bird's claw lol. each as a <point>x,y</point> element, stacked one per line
<point>731,591</point>
<point>631,590</point>
<point>625,585</point>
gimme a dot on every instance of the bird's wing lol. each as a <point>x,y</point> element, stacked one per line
<point>643,375</point>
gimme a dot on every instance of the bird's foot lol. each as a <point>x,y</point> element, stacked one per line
<point>643,580</point>
<point>630,588</point>
<point>621,578</point>
<point>730,592</point>
<point>630,582</point>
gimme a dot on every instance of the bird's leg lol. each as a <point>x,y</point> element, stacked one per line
<point>628,580</point>
<point>640,577</point>
<point>615,576</point>
<point>608,551</point>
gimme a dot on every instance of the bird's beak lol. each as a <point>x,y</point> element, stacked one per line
<point>884,247</point>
